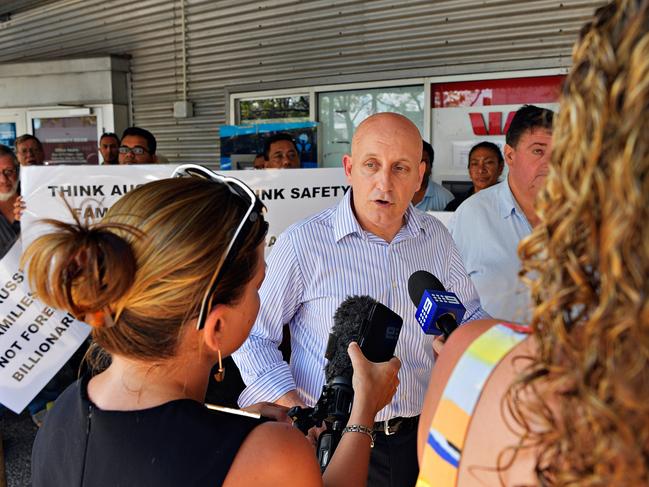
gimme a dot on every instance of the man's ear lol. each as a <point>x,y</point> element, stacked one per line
<point>422,171</point>
<point>508,152</point>
<point>347,165</point>
<point>155,159</point>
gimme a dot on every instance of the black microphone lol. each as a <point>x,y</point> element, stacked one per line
<point>438,311</point>
<point>362,319</point>
<point>376,329</point>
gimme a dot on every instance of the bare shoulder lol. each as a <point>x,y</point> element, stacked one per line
<point>458,342</point>
<point>275,454</point>
<point>453,349</point>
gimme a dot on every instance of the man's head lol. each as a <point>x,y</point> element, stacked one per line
<point>385,169</point>
<point>527,150</point>
<point>428,156</point>
<point>259,162</point>
<point>109,147</point>
<point>8,173</point>
<point>29,151</point>
<point>137,147</point>
<point>281,152</point>
<point>485,165</point>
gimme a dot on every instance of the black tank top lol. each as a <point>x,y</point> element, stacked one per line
<point>179,443</point>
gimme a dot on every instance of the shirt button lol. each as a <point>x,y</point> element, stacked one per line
<point>394,284</point>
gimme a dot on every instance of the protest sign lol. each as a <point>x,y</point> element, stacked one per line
<point>289,194</point>
<point>36,341</point>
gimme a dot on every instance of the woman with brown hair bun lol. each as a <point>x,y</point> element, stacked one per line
<point>169,282</point>
<point>567,403</point>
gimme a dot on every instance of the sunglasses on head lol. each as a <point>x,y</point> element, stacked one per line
<point>254,210</point>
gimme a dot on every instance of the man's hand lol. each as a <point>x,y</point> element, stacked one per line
<point>19,208</point>
<point>438,344</point>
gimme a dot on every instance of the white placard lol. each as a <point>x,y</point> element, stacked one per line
<point>35,340</point>
<point>289,194</point>
<point>443,216</point>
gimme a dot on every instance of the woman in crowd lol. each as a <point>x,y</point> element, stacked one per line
<point>566,404</point>
<point>169,282</point>
<point>485,166</point>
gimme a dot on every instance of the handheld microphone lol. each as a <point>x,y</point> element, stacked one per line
<point>376,329</point>
<point>438,311</point>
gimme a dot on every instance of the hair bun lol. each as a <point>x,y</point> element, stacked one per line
<point>88,268</point>
<point>99,319</point>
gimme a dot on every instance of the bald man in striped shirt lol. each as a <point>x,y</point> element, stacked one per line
<point>368,244</point>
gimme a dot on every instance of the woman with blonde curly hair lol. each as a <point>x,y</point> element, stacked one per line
<point>169,282</point>
<point>566,402</point>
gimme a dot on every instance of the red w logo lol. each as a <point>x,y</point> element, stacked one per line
<point>495,123</point>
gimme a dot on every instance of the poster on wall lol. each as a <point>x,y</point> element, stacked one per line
<point>465,113</point>
<point>68,140</point>
<point>241,143</point>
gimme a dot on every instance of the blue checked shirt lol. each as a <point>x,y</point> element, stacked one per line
<point>313,267</point>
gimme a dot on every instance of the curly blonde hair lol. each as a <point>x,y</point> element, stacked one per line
<point>584,400</point>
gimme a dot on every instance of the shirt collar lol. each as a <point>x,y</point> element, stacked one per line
<point>345,222</point>
<point>508,204</point>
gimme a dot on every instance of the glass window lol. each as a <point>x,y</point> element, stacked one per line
<point>340,112</point>
<point>8,133</point>
<point>293,108</point>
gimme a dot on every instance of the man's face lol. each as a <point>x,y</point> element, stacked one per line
<point>29,153</point>
<point>137,144</point>
<point>528,161</point>
<point>385,170</point>
<point>484,168</point>
<point>259,162</point>
<point>8,178</point>
<point>282,155</point>
<point>109,148</point>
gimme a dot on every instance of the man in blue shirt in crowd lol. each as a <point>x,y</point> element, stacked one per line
<point>368,244</point>
<point>488,226</point>
<point>431,196</point>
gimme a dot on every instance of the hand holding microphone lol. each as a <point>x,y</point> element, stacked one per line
<point>374,384</point>
<point>357,387</point>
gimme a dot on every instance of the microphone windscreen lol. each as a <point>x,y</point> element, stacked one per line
<point>421,281</point>
<point>348,321</point>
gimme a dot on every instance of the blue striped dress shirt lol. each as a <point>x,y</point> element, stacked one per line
<point>316,264</point>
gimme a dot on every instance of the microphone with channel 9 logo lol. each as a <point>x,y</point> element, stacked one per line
<point>438,311</point>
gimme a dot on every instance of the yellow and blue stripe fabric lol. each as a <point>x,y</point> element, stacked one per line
<point>443,449</point>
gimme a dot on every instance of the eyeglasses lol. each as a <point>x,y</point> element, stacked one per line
<point>254,210</point>
<point>9,173</point>
<point>136,151</point>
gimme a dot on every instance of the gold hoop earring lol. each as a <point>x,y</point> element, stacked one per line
<point>220,373</point>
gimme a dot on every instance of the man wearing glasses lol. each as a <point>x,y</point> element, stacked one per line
<point>137,147</point>
<point>368,244</point>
